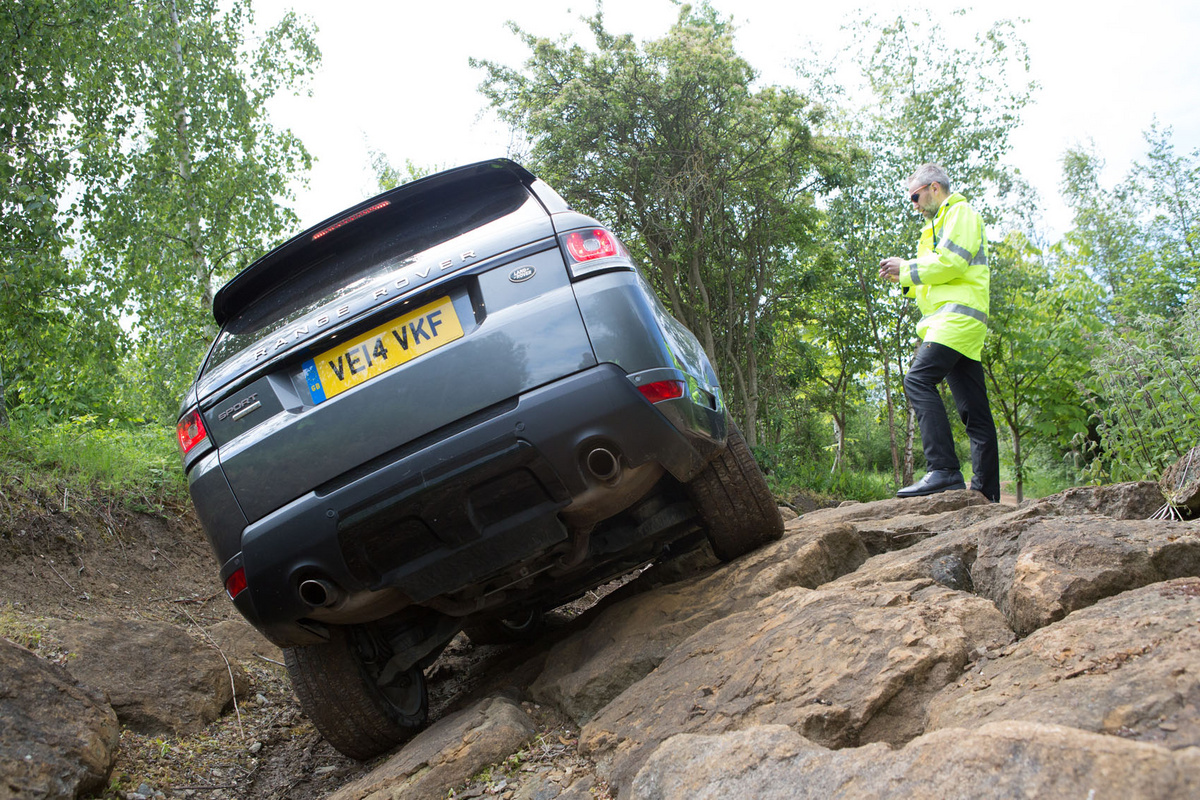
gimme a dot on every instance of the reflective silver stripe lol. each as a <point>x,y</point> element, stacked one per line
<point>916,276</point>
<point>959,308</point>
<point>961,252</point>
<point>980,258</point>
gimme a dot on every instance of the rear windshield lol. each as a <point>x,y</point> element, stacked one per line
<point>381,243</point>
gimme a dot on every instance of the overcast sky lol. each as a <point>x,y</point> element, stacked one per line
<point>395,76</point>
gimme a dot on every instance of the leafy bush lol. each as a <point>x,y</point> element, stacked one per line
<point>788,473</point>
<point>1147,396</point>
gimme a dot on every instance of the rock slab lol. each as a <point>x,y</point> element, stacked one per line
<point>57,737</point>
<point>1128,666</point>
<point>446,753</point>
<point>841,667</point>
<point>630,638</point>
<point>999,760</point>
<point>158,678</point>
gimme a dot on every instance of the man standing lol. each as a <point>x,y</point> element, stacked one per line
<point>949,279</point>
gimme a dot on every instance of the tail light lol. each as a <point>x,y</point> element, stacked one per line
<point>662,390</point>
<point>235,584</point>
<point>190,431</point>
<point>594,250</point>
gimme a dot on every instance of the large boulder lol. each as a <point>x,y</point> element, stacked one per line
<point>57,738</point>
<point>158,678</point>
<point>1134,500</point>
<point>630,638</point>
<point>446,753</point>
<point>1039,569</point>
<point>1127,666</point>
<point>1000,760</point>
<point>841,667</point>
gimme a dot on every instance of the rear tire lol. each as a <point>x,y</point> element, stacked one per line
<point>337,690</point>
<point>736,506</point>
<point>524,627</point>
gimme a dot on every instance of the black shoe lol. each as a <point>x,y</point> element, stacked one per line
<point>937,480</point>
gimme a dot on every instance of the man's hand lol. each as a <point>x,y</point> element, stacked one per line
<point>889,269</point>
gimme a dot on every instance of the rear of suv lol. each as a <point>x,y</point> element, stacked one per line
<point>447,408</point>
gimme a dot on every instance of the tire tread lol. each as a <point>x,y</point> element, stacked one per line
<point>336,694</point>
<point>734,501</point>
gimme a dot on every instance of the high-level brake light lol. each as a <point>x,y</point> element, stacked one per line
<point>351,218</point>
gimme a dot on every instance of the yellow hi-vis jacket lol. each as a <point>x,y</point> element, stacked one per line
<point>949,278</point>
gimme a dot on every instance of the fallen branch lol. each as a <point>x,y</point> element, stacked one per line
<point>60,577</point>
<point>228,667</point>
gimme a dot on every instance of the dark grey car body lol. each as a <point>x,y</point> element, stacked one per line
<point>511,467</point>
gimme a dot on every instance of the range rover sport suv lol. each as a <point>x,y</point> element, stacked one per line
<point>447,408</point>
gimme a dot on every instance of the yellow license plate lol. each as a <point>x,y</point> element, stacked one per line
<point>386,347</point>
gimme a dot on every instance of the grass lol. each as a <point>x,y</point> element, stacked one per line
<point>787,479</point>
<point>80,457</point>
<point>818,481</point>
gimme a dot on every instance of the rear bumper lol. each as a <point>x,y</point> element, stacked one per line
<point>463,503</point>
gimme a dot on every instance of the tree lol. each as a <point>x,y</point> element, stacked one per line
<point>1037,354</point>
<point>51,100</point>
<point>138,170</point>
<point>1168,186</point>
<point>1140,238</point>
<point>186,185</point>
<point>708,180</point>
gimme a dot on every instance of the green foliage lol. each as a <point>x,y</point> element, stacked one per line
<point>389,177</point>
<point>789,473</point>
<point>87,460</point>
<point>1037,352</point>
<point>49,95</point>
<point>150,119</point>
<point>1147,396</point>
<point>1141,238</point>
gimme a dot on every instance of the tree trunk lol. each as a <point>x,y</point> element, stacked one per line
<point>1018,466</point>
<point>183,156</point>
<point>3,407</point>
<point>839,435</point>
<point>882,348</point>
<point>910,435</point>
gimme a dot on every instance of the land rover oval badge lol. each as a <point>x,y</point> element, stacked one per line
<point>521,274</point>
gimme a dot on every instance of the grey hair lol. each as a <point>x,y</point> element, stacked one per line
<point>930,173</point>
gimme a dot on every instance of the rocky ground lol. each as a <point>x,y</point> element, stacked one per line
<point>940,646</point>
<point>68,568</point>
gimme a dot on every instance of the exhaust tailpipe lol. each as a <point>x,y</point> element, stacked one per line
<point>603,464</point>
<point>319,593</point>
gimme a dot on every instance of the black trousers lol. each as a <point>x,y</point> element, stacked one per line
<point>934,363</point>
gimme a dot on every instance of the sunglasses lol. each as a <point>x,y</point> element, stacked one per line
<point>917,193</point>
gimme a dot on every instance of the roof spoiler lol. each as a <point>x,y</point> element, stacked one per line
<point>248,283</point>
